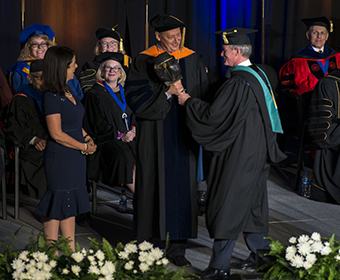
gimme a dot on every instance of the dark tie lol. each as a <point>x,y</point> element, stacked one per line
<point>320,51</point>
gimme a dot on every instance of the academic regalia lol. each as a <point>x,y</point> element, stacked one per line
<point>89,71</point>
<point>165,194</point>
<point>237,128</point>
<point>302,72</point>
<point>24,121</point>
<point>17,76</point>
<point>112,163</point>
<point>323,127</point>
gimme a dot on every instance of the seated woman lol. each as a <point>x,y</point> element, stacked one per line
<point>109,40</point>
<point>37,39</point>
<point>110,122</point>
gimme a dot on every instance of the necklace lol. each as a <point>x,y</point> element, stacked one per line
<point>68,93</point>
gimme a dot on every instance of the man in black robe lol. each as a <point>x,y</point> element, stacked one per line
<point>165,196</point>
<point>324,130</point>
<point>239,127</point>
<point>26,125</point>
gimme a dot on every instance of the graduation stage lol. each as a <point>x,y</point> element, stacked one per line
<point>289,215</point>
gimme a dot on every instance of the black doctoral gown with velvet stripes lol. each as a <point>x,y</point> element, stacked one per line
<point>165,197</point>
<point>236,127</point>
<point>324,129</point>
<point>112,163</point>
<point>25,121</point>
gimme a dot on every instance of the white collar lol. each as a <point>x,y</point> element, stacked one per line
<point>317,50</point>
<point>245,63</point>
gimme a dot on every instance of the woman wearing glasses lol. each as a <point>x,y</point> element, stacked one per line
<point>109,40</point>
<point>36,39</point>
<point>110,122</point>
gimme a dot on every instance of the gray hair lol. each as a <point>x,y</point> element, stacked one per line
<point>245,49</point>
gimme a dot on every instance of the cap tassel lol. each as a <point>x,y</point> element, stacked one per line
<point>225,40</point>
<point>181,46</point>
<point>121,44</point>
<point>330,26</point>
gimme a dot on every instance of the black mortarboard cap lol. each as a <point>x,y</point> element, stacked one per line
<point>36,65</point>
<point>110,56</point>
<point>235,36</point>
<point>35,30</point>
<point>319,21</point>
<point>164,22</point>
<point>112,33</point>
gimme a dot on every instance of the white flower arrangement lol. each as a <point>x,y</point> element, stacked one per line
<point>305,258</point>
<point>40,261</point>
<point>32,266</point>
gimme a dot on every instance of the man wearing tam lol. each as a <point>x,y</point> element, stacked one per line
<point>26,124</point>
<point>165,194</point>
<point>109,40</point>
<point>239,127</point>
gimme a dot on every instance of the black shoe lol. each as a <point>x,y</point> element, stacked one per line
<point>84,220</point>
<point>247,265</point>
<point>180,261</point>
<point>214,274</point>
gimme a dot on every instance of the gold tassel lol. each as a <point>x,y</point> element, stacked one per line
<point>121,47</point>
<point>181,46</point>
<point>330,26</point>
<point>225,40</point>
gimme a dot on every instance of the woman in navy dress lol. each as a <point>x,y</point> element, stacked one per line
<point>65,162</point>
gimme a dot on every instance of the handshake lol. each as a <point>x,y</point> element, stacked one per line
<point>169,71</point>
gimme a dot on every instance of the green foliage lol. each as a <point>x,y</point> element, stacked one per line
<point>99,260</point>
<point>308,258</point>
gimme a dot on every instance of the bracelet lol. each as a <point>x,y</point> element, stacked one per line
<point>84,152</point>
<point>85,136</point>
<point>119,135</point>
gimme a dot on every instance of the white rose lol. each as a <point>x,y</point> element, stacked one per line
<point>292,240</point>
<point>316,236</point>
<point>75,269</point>
<point>100,255</point>
<point>143,267</point>
<point>131,248</point>
<point>94,269</point>
<point>144,246</point>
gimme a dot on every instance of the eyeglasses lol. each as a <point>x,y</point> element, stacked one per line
<point>38,77</point>
<point>42,45</point>
<point>106,44</point>
<point>115,68</point>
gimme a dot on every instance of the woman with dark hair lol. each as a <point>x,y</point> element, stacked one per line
<point>111,123</point>
<point>65,162</point>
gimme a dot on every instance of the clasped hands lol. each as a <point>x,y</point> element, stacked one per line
<point>177,89</point>
<point>128,136</point>
<point>91,146</point>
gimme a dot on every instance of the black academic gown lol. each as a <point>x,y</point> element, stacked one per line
<point>112,163</point>
<point>165,196</point>
<point>24,121</point>
<point>237,129</point>
<point>324,129</point>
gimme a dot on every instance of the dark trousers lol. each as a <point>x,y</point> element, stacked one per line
<point>223,249</point>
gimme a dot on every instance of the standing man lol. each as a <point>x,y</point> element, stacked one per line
<point>165,194</point>
<point>239,127</point>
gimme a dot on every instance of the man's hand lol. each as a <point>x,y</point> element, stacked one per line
<point>182,97</point>
<point>39,144</point>
<point>175,88</point>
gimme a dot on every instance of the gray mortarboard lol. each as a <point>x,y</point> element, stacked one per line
<point>235,36</point>
<point>36,65</point>
<point>36,29</point>
<point>110,56</point>
<point>165,22</point>
<point>112,33</point>
<point>319,21</point>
